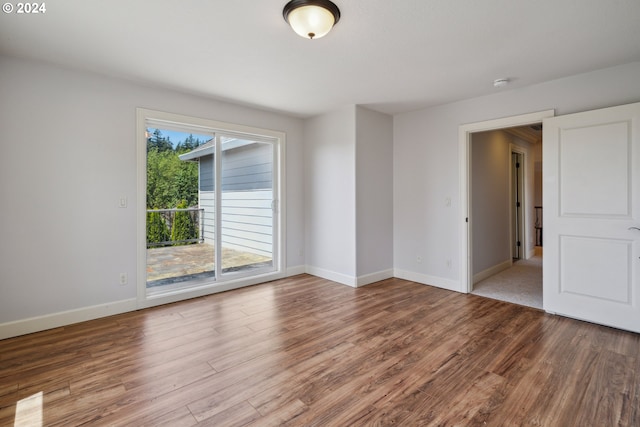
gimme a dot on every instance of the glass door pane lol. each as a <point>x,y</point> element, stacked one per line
<point>246,205</point>
<point>180,216</point>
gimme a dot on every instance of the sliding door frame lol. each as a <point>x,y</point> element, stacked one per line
<point>221,283</point>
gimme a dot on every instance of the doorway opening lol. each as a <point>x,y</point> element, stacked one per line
<point>501,188</point>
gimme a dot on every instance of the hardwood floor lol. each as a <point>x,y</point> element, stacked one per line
<point>304,351</point>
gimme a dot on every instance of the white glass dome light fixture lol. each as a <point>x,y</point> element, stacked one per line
<point>311,19</point>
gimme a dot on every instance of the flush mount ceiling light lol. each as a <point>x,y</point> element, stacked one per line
<point>311,18</point>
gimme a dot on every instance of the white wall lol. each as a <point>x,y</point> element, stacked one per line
<point>374,193</point>
<point>68,154</point>
<point>490,217</point>
<point>537,165</point>
<point>330,194</point>
<point>537,193</point>
<point>530,192</point>
<point>348,195</point>
<point>426,169</point>
<point>490,199</point>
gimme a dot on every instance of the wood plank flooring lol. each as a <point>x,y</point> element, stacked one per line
<point>305,351</point>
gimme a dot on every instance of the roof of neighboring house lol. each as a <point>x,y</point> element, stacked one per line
<point>208,148</point>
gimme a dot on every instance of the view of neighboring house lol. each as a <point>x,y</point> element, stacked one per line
<point>247,193</point>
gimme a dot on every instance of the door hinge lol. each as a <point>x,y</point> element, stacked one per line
<point>518,244</point>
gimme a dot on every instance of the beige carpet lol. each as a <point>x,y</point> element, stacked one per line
<point>520,284</point>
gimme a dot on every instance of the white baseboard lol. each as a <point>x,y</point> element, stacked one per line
<point>492,270</point>
<point>352,281</point>
<point>425,279</point>
<point>56,320</point>
<point>367,279</point>
<point>294,271</point>
<point>333,276</point>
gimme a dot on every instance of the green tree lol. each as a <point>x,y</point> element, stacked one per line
<point>169,179</point>
<point>189,144</point>
<point>183,227</point>
<point>185,182</point>
<point>162,167</point>
<point>157,230</point>
<point>158,142</point>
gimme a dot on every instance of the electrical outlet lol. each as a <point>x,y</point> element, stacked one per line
<point>123,279</point>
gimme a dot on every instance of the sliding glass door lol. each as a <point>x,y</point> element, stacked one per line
<point>177,249</point>
<point>247,204</point>
<point>211,207</point>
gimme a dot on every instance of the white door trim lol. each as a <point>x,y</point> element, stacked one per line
<point>464,137</point>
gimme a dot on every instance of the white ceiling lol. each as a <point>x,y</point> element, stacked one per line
<point>390,55</point>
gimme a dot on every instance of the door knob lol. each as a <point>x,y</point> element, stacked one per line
<point>633,228</point>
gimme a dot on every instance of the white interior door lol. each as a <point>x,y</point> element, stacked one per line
<point>591,199</point>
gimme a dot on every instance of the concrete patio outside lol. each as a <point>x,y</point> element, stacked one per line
<point>174,262</point>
